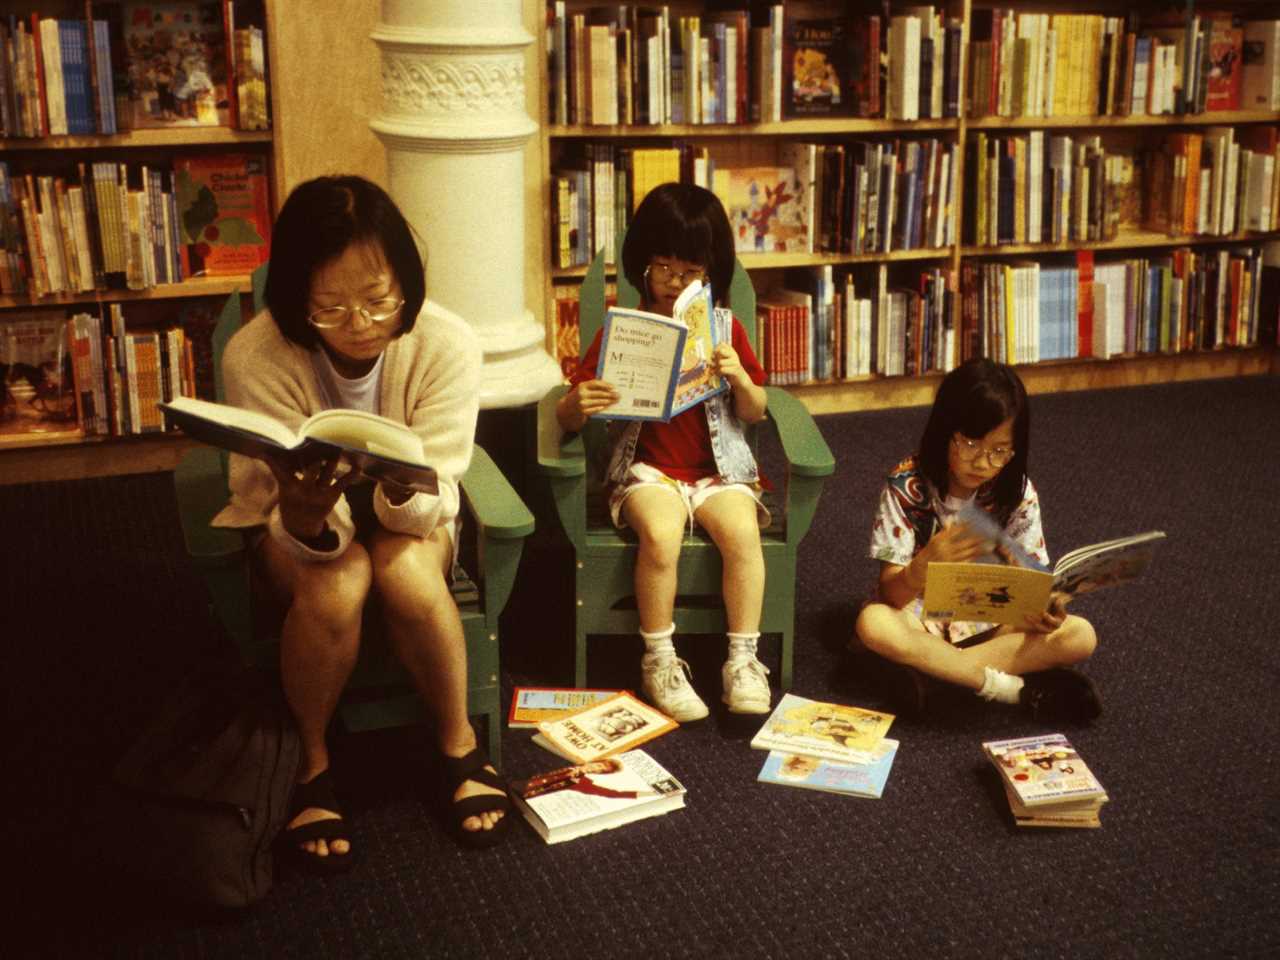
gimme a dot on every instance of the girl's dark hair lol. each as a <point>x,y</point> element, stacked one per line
<point>322,218</point>
<point>686,222</point>
<point>974,399</point>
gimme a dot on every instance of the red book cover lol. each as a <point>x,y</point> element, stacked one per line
<point>1226,68</point>
<point>1084,302</point>
<point>224,213</point>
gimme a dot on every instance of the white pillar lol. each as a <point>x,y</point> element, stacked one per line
<point>454,124</point>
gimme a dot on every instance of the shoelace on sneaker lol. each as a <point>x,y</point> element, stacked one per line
<point>674,674</point>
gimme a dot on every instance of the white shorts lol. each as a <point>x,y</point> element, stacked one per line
<point>692,495</point>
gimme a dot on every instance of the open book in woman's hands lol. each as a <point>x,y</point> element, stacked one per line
<point>376,446</point>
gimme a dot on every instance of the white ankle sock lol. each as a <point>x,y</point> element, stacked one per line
<point>998,685</point>
<point>742,645</point>
<point>660,643</point>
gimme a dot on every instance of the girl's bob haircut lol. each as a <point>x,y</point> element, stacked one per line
<point>974,399</point>
<point>321,219</point>
<point>686,222</point>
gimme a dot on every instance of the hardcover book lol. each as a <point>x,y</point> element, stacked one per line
<point>571,802</point>
<point>37,396</point>
<point>177,59</point>
<point>818,62</point>
<point>829,731</point>
<point>814,773</point>
<point>1043,770</point>
<point>224,214</point>
<point>531,705</point>
<point>767,208</point>
<point>661,366</point>
<point>604,729</point>
<point>376,446</point>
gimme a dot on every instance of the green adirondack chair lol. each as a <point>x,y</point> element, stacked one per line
<point>378,694</point>
<point>605,558</point>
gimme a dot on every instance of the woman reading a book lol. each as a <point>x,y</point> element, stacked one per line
<point>348,325</point>
<point>973,453</point>
<point>695,468</point>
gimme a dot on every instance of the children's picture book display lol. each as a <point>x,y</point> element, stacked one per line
<point>814,773</point>
<point>224,213</point>
<point>817,58</point>
<point>829,731</point>
<point>531,705</point>
<point>604,729</point>
<point>378,447</point>
<point>601,794</point>
<point>1004,593</point>
<point>661,366</point>
<point>177,63</point>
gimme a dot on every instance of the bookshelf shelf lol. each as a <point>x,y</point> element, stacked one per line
<point>787,128</point>
<point>1222,117</point>
<point>135,139</point>
<point>1125,241</point>
<point>195,287</point>
<point>76,458</point>
<point>773,261</point>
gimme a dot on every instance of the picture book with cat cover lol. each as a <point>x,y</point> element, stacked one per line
<point>831,731</point>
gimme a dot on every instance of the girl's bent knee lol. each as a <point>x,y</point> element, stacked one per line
<point>1078,640</point>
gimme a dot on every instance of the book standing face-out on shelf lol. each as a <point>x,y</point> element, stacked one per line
<point>177,63</point>
<point>604,729</point>
<point>571,802</point>
<point>814,773</point>
<point>661,366</point>
<point>376,446</point>
<point>37,399</point>
<point>224,213</point>
<point>829,731</point>
<point>531,705</point>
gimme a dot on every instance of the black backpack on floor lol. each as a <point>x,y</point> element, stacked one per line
<point>205,790</point>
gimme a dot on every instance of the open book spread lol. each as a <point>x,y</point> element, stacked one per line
<point>830,731</point>
<point>573,801</point>
<point>995,592</point>
<point>376,446</point>
<point>660,366</point>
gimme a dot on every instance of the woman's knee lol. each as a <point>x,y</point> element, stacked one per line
<point>335,590</point>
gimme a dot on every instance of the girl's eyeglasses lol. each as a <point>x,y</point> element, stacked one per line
<point>968,450</point>
<point>375,311</point>
<point>663,274</point>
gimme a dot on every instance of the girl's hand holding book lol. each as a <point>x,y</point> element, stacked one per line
<point>1052,618</point>
<point>726,363</point>
<point>587,398</point>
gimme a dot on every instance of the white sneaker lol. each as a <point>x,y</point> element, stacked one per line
<point>746,687</point>
<point>665,679</point>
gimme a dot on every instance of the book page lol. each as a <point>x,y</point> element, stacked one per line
<point>248,420</point>
<point>696,380</point>
<point>365,431</point>
<point>639,353</point>
<point>1105,564</point>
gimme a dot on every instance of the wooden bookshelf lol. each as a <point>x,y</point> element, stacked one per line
<point>78,458</point>
<point>194,287</point>
<point>1210,118</point>
<point>1126,240</point>
<point>135,139</point>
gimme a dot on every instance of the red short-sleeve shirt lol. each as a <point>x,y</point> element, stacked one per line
<point>681,448</point>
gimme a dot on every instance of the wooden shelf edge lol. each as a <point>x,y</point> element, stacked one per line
<point>195,287</point>
<point>785,128</point>
<point>1138,121</point>
<point>1057,376</point>
<point>46,463</point>
<point>1124,241</point>
<point>133,139</point>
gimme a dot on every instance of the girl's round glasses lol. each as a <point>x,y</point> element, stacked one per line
<point>969,450</point>
<point>375,311</point>
<point>663,274</point>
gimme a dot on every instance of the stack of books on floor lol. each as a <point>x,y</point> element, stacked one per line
<point>608,782</point>
<point>1046,782</point>
<point>826,746</point>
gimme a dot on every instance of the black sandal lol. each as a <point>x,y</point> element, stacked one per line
<point>457,771</point>
<point>317,793</point>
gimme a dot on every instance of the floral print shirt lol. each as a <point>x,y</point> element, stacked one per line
<point>911,510</point>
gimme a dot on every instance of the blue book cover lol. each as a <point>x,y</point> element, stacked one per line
<point>106,111</point>
<point>813,773</point>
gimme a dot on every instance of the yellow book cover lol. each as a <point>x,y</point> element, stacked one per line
<point>831,731</point>
<point>603,729</point>
<point>985,592</point>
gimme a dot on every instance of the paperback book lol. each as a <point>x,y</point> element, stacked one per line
<point>1043,772</point>
<point>818,57</point>
<point>531,705</point>
<point>376,446</point>
<point>814,773</point>
<point>601,794</point>
<point>661,366</point>
<point>604,729</point>
<point>829,731</point>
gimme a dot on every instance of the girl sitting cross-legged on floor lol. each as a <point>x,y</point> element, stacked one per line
<point>974,450</point>
<point>698,467</point>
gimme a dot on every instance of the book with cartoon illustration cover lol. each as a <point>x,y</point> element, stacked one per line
<point>661,366</point>
<point>817,63</point>
<point>1043,770</point>
<point>604,729</point>
<point>814,773</point>
<point>830,731</point>
<point>602,794</point>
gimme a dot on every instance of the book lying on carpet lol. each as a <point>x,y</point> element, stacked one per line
<point>603,729</point>
<point>1046,781</point>
<point>601,794</point>
<point>376,446</point>
<point>660,366</point>
<point>814,773</point>
<point>830,731</point>
<point>529,705</point>
<point>996,592</point>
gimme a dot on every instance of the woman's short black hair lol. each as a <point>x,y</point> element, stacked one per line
<point>684,221</point>
<point>974,399</point>
<point>320,219</point>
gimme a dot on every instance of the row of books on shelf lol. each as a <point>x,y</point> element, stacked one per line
<point>107,225</point>
<point>643,65</point>
<point>85,375</point>
<point>856,197</point>
<point>1030,64</point>
<point>134,65</point>
<point>1044,188</point>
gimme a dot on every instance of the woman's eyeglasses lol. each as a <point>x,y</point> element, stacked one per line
<point>968,450</point>
<point>663,274</point>
<point>375,311</point>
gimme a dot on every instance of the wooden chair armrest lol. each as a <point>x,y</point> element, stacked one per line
<point>200,484</point>
<point>560,454</point>
<point>497,508</point>
<point>806,451</point>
